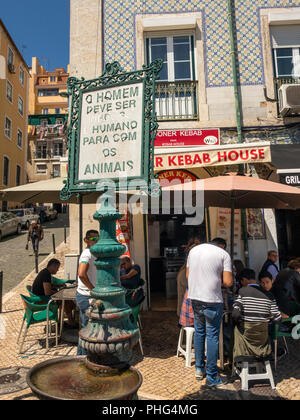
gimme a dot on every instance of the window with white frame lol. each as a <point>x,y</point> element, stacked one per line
<point>22,76</point>
<point>45,111</point>
<point>10,57</point>
<point>285,41</point>
<point>9,91</point>
<point>20,106</point>
<point>52,78</point>
<point>20,138</point>
<point>58,149</point>
<point>18,175</point>
<point>177,53</point>
<point>8,127</point>
<point>5,171</point>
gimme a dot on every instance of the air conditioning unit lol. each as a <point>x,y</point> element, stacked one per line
<point>11,68</point>
<point>289,99</point>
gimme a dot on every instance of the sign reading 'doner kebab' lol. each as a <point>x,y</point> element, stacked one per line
<point>111,132</point>
<point>181,138</point>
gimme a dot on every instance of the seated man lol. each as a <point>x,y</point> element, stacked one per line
<point>131,278</point>
<point>253,309</point>
<point>42,287</point>
<point>286,289</point>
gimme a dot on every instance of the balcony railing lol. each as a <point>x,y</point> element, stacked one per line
<point>279,81</point>
<point>48,154</point>
<point>176,100</point>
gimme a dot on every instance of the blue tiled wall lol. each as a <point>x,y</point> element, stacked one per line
<point>119,34</point>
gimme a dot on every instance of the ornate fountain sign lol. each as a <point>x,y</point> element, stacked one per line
<point>112,128</point>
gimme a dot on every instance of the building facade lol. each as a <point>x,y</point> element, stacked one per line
<point>229,87</point>
<point>48,112</point>
<point>13,114</point>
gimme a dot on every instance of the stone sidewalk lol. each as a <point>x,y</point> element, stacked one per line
<point>165,376</point>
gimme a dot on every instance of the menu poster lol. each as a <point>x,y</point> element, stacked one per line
<point>224,229</point>
<point>256,224</point>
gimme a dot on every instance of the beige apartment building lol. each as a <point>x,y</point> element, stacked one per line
<point>48,113</point>
<point>14,76</point>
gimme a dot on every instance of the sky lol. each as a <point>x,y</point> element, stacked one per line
<point>39,29</point>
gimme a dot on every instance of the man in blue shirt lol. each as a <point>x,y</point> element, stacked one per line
<point>131,278</point>
<point>270,265</point>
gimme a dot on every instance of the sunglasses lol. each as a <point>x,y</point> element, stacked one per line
<point>93,238</point>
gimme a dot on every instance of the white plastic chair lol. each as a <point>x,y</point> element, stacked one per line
<point>187,351</point>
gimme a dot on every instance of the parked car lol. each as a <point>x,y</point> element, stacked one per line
<point>27,216</point>
<point>9,224</point>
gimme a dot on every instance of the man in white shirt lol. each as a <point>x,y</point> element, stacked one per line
<point>87,276</point>
<point>209,268</point>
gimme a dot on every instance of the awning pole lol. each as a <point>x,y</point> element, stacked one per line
<point>80,225</point>
<point>232,230</point>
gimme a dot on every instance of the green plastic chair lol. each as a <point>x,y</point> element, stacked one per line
<point>136,319</point>
<point>276,333</point>
<point>42,298</point>
<point>60,282</point>
<point>35,313</point>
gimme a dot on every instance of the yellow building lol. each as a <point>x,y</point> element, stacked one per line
<point>48,113</point>
<point>14,76</point>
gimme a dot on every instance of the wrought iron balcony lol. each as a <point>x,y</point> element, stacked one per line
<point>49,154</point>
<point>176,100</point>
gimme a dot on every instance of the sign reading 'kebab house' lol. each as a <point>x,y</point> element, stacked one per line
<point>212,157</point>
<point>111,133</point>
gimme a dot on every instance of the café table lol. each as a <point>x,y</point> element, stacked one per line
<point>65,293</point>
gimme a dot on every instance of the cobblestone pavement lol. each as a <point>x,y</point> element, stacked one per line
<point>16,262</point>
<point>164,375</point>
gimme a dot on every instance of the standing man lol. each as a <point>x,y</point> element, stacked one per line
<point>87,276</point>
<point>270,264</point>
<point>208,269</point>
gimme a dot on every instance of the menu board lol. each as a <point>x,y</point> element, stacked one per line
<point>224,229</point>
<point>256,224</point>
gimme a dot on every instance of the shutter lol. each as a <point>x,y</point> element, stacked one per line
<point>285,36</point>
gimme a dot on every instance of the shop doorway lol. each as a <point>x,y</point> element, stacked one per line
<point>288,233</point>
<point>168,238</point>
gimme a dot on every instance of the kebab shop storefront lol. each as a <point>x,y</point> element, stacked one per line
<point>187,155</point>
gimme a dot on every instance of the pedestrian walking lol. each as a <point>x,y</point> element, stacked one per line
<point>87,276</point>
<point>35,235</point>
<point>208,269</point>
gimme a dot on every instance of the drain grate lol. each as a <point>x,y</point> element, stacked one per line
<point>13,379</point>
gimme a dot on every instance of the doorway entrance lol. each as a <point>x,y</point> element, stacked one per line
<point>168,238</point>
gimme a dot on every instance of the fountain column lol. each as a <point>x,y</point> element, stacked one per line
<point>110,334</point>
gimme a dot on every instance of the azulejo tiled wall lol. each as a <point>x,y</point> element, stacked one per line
<point>119,34</point>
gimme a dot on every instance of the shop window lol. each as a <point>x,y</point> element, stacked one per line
<point>5,171</point>
<point>9,91</point>
<point>176,88</point>
<point>56,171</point>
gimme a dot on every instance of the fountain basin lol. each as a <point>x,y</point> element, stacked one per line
<point>69,378</point>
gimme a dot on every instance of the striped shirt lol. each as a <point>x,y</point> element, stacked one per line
<point>254,304</point>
